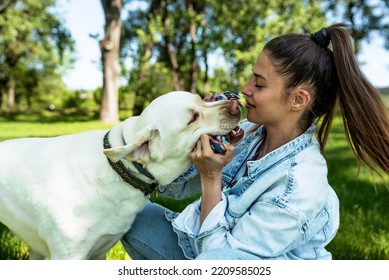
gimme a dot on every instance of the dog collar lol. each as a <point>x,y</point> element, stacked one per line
<point>128,176</point>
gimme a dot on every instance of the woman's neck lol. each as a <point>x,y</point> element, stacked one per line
<point>275,138</point>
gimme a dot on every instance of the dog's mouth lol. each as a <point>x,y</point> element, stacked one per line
<point>218,142</point>
<point>235,135</point>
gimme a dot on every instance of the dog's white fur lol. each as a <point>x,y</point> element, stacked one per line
<point>62,197</point>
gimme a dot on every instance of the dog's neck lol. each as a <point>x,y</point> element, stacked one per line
<point>116,137</point>
<point>143,180</point>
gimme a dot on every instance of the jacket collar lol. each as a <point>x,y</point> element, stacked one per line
<point>285,151</point>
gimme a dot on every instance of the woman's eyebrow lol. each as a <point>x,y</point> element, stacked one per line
<point>259,76</point>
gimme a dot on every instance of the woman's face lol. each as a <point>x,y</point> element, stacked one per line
<point>266,101</point>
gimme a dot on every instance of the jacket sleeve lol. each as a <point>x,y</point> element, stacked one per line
<point>265,230</point>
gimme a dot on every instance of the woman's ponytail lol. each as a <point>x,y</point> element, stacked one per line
<point>364,114</point>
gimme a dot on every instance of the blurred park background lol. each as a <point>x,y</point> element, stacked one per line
<point>142,49</point>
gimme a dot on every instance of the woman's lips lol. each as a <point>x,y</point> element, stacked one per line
<point>249,105</point>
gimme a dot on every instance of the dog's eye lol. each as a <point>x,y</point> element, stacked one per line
<point>195,116</point>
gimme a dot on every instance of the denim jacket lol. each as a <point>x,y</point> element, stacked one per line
<point>282,207</point>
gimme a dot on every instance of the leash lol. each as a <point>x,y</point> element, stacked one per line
<point>128,176</point>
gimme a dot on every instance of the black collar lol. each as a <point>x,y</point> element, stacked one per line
<point>127,175</point>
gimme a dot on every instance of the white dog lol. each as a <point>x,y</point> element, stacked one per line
<point>73,196</point>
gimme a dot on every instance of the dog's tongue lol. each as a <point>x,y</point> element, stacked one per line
<point>235,135</point>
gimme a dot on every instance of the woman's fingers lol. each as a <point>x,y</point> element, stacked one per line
<point>203,154</point>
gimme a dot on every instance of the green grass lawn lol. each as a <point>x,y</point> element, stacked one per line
<point>364,200</point>
<point>364,228</point>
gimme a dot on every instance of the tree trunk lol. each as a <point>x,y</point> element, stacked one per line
<point>193,64</point>
<point>11,93</point>
<point>144,68</point>
<point>206,79</point>
<point>178,81</point>
<point>3,85</point>
<point>4,5</point>
<point>110,47</point>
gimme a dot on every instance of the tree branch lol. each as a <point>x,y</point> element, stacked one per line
<point>4,5</point>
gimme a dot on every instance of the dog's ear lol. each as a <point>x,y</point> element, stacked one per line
<point>144,146</point>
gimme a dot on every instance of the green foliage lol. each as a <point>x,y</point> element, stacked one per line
<point>35,49</point>
<point>191,33</point>
<point>364,16</point>
<point>37,89</point>
<point>143,89</point>
<point>245,26</point>
<point>194,32</point>
<point>117,253</point>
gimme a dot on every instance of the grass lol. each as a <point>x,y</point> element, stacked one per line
<point>364,198</point>
<point>363,232</point>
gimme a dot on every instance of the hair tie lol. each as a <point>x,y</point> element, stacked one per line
<point>321,37</point>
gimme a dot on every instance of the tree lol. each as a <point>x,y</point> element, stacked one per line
<point>183,36</point>
<point>39,44</point>
<point>110,46</point>
<point>216,42</point>
<point>4,4</point>
<point>365,18</point>
<point>140,25</point>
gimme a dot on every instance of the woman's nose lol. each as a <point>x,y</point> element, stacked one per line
<point>246,89</point>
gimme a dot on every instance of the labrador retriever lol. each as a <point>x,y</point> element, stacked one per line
<point>74,196</point>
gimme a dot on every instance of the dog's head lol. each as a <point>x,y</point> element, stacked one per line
<point>163,136</point>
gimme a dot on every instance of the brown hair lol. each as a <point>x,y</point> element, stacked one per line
<point>332,76</point>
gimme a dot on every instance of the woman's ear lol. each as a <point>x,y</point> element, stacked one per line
<point>299,99</point>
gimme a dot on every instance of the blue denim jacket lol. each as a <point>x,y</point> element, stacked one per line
<point>281,208</point>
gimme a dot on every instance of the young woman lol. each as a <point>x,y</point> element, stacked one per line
<point>268,197</point>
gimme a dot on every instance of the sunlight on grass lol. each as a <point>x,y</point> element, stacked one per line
<point>118,253</point>
<point>14,248</point>
<point>11,247</point>
<point>11,130</point>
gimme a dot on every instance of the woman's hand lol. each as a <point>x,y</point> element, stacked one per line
<point>207,162</point>
<point>210,166</point>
